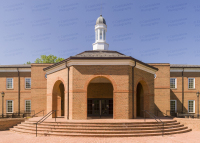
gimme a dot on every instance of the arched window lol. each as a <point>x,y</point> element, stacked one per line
<point>101,34</point>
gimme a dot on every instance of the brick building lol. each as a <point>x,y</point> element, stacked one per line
<point>98,83</point>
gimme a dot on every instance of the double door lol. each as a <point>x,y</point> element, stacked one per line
<point>100,107</point>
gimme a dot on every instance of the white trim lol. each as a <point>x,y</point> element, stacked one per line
<point>12,83</point>
<point>175,83</point>
<point>25,82</point>
<point>7,106</point>
<point>185,69</point>
<point>25,104</point>
<point>15,70</point>
<point>193,106</point>
<point>175,105</point>
<point>145,68</point>
<point>193,83</point>
<point>57,68</point>
<point>102,62</point>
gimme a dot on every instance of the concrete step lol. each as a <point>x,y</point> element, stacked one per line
<point>96,129</point>
<point>99,128</point>
<point>101,125</point>
<point>100,135</point>
<point>100,131</point>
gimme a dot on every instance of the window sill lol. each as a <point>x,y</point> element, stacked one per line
<point>173,88</point>
<point>191,89</point>
<point>27,88</point>
<point>9,88</point>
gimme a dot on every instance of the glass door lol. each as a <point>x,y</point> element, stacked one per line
<point>100,107</point>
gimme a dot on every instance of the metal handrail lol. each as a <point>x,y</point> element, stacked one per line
<point>44,118</point>
<point>152,115</point>
<point>165,114</point>
<point>38,113</point>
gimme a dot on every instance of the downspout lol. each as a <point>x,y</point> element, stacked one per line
<point>67,91</point>
<point>18,92</point>
<point>133,89</point>
<point>182,91</point>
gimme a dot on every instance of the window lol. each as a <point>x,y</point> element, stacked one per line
<point>97,35</point>
<point>9,83</point>
<point>28,105</point>
<point>27,83</point>
<point>9,106</point>
<point>191,106</point>
<point>101,34</point>
<point>104,35</point>
<point>173,105</point>
<point>191,83</point>
<point>173,83</point>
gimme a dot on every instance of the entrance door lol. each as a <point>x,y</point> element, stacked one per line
<point>100,107</point>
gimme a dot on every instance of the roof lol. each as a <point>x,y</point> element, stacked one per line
<point>184,66</point>
<point>99,54</point>
<point>101,20</point>
<point>16,66</point>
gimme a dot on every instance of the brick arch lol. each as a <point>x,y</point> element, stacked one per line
<point>58,97</point>
<point>104,76</point>
<point>144,85</point>
<point>145,103</point>
<point>57,79</point>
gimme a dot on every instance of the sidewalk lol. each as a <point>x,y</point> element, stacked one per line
<point>12,137</point>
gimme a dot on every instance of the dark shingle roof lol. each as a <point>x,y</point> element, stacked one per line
<point>184,66</point>
<point>99,54</point>
<point>15,66</point>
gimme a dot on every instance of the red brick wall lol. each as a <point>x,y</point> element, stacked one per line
<point>189,94</point>
<point>5,124</point>
<point>147,81</point>
<point>12,94</point>
<point>162,88</point>
<point>38,88</point>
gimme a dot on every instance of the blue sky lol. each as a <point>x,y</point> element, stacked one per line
<point>152,31</point>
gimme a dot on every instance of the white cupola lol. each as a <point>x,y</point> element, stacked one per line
<point>100,35</point>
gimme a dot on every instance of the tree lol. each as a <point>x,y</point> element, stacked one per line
<point>48,59</point>
<point>27,63</point>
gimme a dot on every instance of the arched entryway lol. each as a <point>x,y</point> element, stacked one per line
<point>100,98</point>
<point>140,100</point>
<point>58,99</point>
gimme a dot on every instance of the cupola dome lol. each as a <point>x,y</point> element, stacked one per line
<point>101,20</point>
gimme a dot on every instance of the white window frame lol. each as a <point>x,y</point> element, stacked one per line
<point>175,83</point>
<point>193,106</point>
<point>193,83</point>
<point>25,104</point>
<point>175,105</point>
<point>7,83</point>
<point>25,83</point>
<point>7,106</point>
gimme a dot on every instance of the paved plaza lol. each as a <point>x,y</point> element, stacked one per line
<point>12,137</point>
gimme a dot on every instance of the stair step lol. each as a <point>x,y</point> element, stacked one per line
<point>96,129</point>
<point>103,123</point>
<point>99,128</point>
<point>97,125</point>
<point>101,135</point>
<point>102,132</point>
